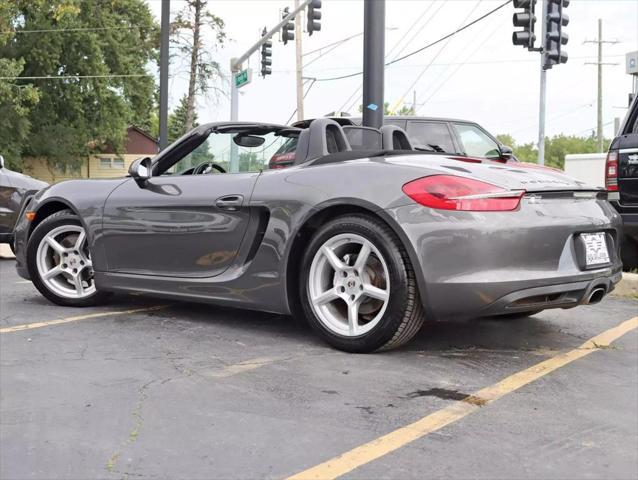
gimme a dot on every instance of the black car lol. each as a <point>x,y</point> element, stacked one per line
<point>445,135</point>
<point>15,189</point>
<point>621,176</point>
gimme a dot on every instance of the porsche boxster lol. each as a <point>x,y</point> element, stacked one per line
<point>366,244</point>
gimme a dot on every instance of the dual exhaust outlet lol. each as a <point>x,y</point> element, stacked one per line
<point>595,295</point>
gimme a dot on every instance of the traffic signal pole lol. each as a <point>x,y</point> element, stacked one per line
<point>236,63</point>
<point>235,67</point>
<point>542,96</point>
<point>373,62</point>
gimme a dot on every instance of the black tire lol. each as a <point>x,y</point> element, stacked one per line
<point>404,313</point>
<point>58,219</point>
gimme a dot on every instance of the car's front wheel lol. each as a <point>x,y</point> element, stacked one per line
<point>59,261</point>
<point>358,287</point>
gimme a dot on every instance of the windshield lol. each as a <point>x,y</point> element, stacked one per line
<point>216,149</point>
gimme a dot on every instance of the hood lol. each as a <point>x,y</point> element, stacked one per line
<point>514,176</point>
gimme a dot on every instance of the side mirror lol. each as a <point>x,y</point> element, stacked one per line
<point>140,170</point>
<point>1,162</point>
<point>506,152</point>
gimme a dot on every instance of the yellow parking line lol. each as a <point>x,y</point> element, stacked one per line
<point>381,446</point>
<point>29,326</point>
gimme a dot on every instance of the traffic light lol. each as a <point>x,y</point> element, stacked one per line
<point>314,15</point>
<point>266,56</point>
<point>288,30</point>
<point>525,19</point>
<point>555,37</point>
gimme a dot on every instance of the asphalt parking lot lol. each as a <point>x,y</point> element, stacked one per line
<point>191,391</point>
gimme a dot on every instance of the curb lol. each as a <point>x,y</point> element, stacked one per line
<point>5,251</point>
<point>628,286</point>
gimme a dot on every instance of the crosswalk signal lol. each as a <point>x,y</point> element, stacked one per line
<point>525,19</point>
<point>314,15</point>
<point>288,30</point>
<point>266,56</point>
<point>555,37</point>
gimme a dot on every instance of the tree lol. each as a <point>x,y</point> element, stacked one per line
<point>188,34</point>
<point>177,120</point>
<point>102,84</point>
<point>16,100</point>
<point>556,148</point>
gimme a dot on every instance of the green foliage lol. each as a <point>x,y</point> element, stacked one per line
<point>189,30</point>
<point>16,102</point>
<point>556,148</point>
<point>177,120</point>
<point>78,116</point>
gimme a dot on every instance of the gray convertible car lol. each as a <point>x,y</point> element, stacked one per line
<point>365,244</point>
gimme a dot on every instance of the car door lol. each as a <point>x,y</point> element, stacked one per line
<point>627,145</point>
<point>178,224</point>
<point>431,134</point>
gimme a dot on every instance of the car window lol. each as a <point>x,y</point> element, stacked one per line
<point>431,134</point>
<point>394,121</point>
<point>475,142</point>
<point>217,149</point>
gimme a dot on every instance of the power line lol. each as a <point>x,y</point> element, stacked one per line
<point>427,67</point>
<point>425,47</point>
<point>354,97</point>
<point>65,77</point>
<point>416,34</point>
<point>64,30</point>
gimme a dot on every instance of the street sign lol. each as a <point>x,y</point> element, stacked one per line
<point>243,77</point>
<point>632,63</point>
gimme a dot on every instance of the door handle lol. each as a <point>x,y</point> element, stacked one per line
<point>230,202</point>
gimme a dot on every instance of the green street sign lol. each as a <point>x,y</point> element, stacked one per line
<point>243,77</point>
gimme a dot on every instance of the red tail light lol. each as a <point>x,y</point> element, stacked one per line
<point>611,171</point>
<point>449,192</point>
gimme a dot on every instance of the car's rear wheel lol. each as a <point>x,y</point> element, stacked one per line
<point>59,261</point>
<point>358,287</point>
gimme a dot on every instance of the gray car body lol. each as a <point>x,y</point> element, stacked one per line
<point>169,239</point>
<point>15,189</point>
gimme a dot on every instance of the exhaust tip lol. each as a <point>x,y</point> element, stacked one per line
<point>596,295</point>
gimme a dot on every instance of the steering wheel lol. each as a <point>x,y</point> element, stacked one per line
<point>206,167</point>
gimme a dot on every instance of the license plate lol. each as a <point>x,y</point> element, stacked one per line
<point>595,248</point>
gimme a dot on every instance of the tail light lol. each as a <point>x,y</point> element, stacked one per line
<point>611,171</point>
<point>449,192</point>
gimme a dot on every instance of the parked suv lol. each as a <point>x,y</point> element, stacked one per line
<point>621,179</point>
<point>457,137</point>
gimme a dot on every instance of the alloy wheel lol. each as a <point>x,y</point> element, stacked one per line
<point>348,285</point>
<point>64,262</point>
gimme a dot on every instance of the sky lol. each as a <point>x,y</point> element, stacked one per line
<point>477,75</point>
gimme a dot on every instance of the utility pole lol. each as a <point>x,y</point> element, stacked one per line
<point>373,62</point>
<point>298,55</point>
<point>600,63</point>
<point>163,100</point>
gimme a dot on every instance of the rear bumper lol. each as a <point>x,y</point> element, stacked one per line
<point>475,264</point>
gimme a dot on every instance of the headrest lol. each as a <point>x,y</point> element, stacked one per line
<point>321,138</point>
<point>395,138</point>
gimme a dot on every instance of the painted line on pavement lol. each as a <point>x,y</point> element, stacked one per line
<point>348,461</point>
<point>60,321</point>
